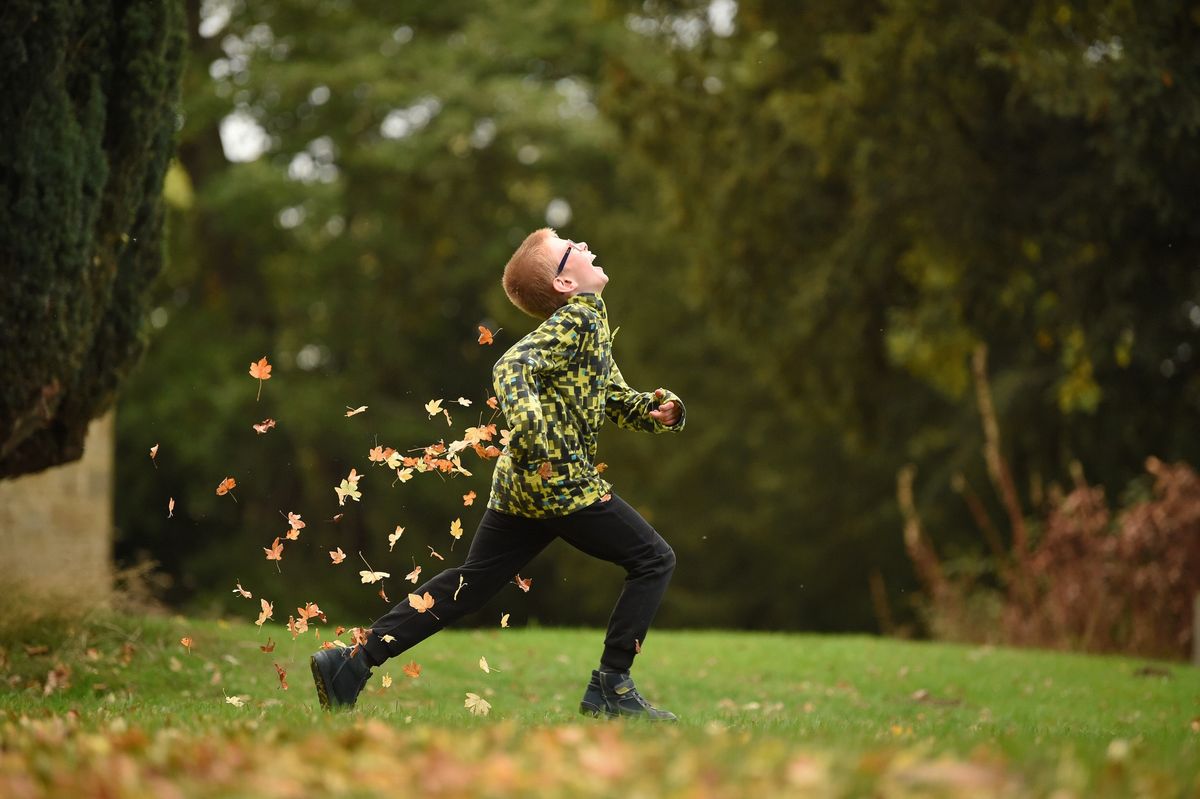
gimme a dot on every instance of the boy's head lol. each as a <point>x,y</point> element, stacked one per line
<point>546,271</point>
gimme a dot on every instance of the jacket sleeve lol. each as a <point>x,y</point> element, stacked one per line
<point>520,376</point>
<point>631,409</point>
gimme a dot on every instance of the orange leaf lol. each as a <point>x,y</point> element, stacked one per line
<point>468,498</point>
<point>269,646</point>
<point>545,470</point>
<point>171,508</point>
<point>267,610</point>
<point>282,676</point>
<point>434,553</point>
<point>337,554</point>
<point>492,403</point>
<point>412,669</point>
<point>355,411</point>
<point>413,575</point>
<point>260,371</point>
<point>275,551</point>
<point>187,643</point>
<point>264,426</point>
<point>295,522</point>
<point>485,335</point>
<point>242,591</point>
<point>525,584</point>
<point>227,485</point>
<point>376,455</point>
<point>601,467</point>
<point>421,603</point>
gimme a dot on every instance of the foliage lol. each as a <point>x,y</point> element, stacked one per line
<point>130,710</point>
<point>87,120</point>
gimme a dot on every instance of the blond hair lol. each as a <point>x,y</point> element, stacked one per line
<point>529,276</point>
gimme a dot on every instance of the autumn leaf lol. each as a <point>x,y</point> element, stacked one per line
<point>434,553</point>
<point>505,435</point>
<point>606,498</point>
<point>468,498</point>
<point>354,411</point>
<point>456,530</point>
<point>413,575</point>
<point>463,401</point>
<point>295,522</point>
<point>154,455</point>
<point>227,485</point>
<point>461,583</point>
<point>477,705</point>
<point>263,426</point>
<point>525,584</point>
<point>394,537</point>
<point>269,646</point>
<point>600,467</point>
<point>260,371</point>
<point>275,551</point>
<point>446,413</point>
<point>347,489</point>
<point>412,669</point>
<point>493,403</point>
<point>485,335</point>
<point>282,676</point>
<point>292,534</point>
<point>386,681</point>
<point>504,620</point>
<point>375,455</point>
<point>372,576</point>
<point>545,470</point>
<point>268,609</point>
<point>404,475</point>
<point>484,667</point>
<point>422,603</point>
<point>383,594</point>
<point>171,508</point>
<point>187,643</point>
<point>242,591</point>
<point>235,700</point>
<point>433,407</point>
<point>337,555</point>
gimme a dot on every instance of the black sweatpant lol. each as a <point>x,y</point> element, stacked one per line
<point>504,544</point>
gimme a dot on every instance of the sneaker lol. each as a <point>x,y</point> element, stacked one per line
<point>613,694</point>
<point>340,674</point>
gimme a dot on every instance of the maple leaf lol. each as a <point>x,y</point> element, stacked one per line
<point>394,537</point>
<point>477,705</point>
<point>525,584</point>
<point>260,371</point>
<point>404,475</point>
<point>268,609</point>
<point>386,681</point>
<point>242,591</point>
<point>292,534</point>
<point>275,551</point>
<point>372,576</point>
<point>227,485</point>
<point>484,667</point>
<point>263,426</point>
<point>154,455</point>
<point>187,643</point>
<point>504,620</point>
<point>433,407</point>
<point>269,646</point>
<point>463,401</point>
<point>493,403</point>
<point>337,555</point>
<point>600,467</point>
<point>485,335</point>
<point>347,489</point>
<point>354,411</point>
<point>171,508</point>
<point>412,669</point>
<point>468,498</point>
<point>282,676</point>
<point>295,522</point>
<point>393,458</point>
<point>310,610</point>
<point>422,603</point>
<point>375,455</point>
<point>413,575</point>
<point>456,529</point>
<point>505,435</point>
<point>235,700</point>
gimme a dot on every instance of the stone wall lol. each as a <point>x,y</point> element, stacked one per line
<point>56,526</point>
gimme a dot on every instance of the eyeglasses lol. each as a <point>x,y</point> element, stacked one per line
<point>567,254</point>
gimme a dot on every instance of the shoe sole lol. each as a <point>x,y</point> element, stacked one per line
<point>588,709</point>
<point>319,679</point>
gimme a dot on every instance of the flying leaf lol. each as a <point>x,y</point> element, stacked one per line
<point>404,475</point>
<point>413,575</point>
<point>493,403</point>
<point>421,603</point>
<point>394,537</point>
<point>485,335</point>
<point>505,435</point>
<point>468,498</point>
<point>263,426</point>
<point>242,591</point>
<point>412,669</point>
<point>504,620</point>
<point>347,489</point>
<point>260,371</point>
<point>600,467</point>
<point>187,643</point>
<point>282,676</point>
<point>433,407</point>
<point>393,458</point>
<point>171,508</point>
<point>275,551</point>
<point>295,522</point>
<point>337,555</point>
<point>269,646</point>
<point>484,667</point>
<point>153,455</point>
<point>477,705</point>
<point>227,485</point>
<point>354,411</point>
<point>383,594</point>
<point>292,534</point>
<point>545,470</point>
<point>446,413</point>
<point>386,681</point>
<point>525,584</point>
<point>456,529</point>
<point>267,609</point>
<point>372,576</point>
<point>375,455</point>
<point>461,583</point>
<point>434,553</point>
<point>463,401</point>
<point>235,700</point>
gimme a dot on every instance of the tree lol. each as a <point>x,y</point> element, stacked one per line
<point>87,120</point>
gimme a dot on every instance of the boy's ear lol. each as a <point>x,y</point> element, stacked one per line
<point>564,284</point>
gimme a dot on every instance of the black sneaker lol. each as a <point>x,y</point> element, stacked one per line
<point>340,674</point>
<point>613,694</point>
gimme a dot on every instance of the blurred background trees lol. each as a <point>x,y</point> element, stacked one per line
<point>812,217</point>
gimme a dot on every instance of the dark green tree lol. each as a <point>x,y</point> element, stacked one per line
<point>88,95</point>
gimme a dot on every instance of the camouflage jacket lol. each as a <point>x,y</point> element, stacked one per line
<point>555,386</point>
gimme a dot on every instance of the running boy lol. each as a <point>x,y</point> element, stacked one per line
<point>555,386</point>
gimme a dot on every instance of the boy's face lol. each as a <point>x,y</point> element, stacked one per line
<point>579,274</point>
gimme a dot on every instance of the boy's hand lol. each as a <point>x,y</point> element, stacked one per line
<point>668,413</point>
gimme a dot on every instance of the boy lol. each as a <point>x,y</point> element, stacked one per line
<point>555,387</point>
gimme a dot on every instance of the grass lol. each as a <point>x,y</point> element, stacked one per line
<point>135,713</point>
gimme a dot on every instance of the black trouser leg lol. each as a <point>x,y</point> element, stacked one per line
<point>502,546</point>
<point>615,532</point>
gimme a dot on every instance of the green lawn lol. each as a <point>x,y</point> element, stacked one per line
<point>761,715</point>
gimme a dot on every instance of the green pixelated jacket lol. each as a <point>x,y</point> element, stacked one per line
<point>555,386</point>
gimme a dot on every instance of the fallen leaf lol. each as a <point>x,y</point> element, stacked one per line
<point>383,594</point>
<point>260,371</point>
<point>412,669</point>
<point>375,455</point>
<point>404,475</point>
<point>347,489</point>
<point>468,498</point>
<point>525,584</point>
<point>292,534</point>
<point>504,620</point>
<point>606,498</point>
<point>267,610</point>
<point>477,705</point>
<point>263,426</point>
<point>601,467</point>
<point>485,335</point>
<point>337,555</point>
<point>294,521</point>
<point>354,411</point>
<point>242,591</point>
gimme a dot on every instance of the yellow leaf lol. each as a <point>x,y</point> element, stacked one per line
<point>477,705</point>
